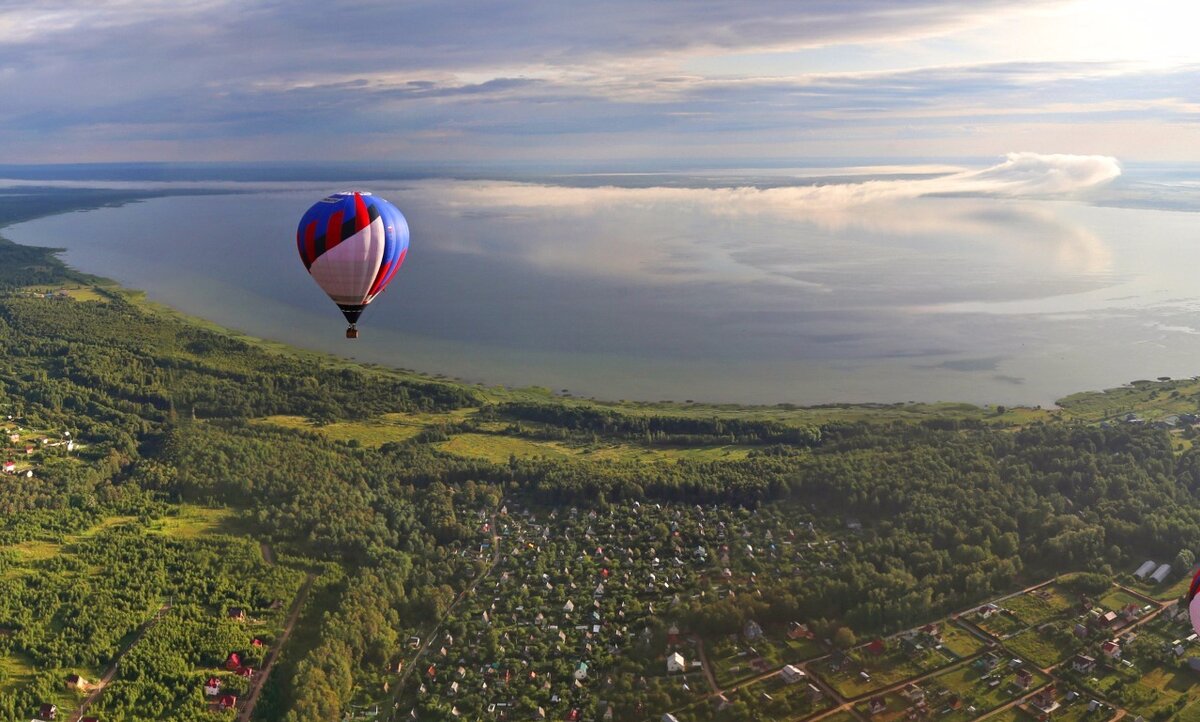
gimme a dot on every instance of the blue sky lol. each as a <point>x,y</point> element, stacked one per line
<point>528,81</point>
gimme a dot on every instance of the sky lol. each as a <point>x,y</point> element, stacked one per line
<point>529,81</point>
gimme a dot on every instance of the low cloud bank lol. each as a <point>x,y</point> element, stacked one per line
<point>1020,175</point>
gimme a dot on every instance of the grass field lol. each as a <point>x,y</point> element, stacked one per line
<point>34,551</point>
<point>1044,648</point>
<point>998,625</point>
<point>1040,605</point>
<point>959,641</point>
<point>78,293</point>
<point>1163,592</point>
<point>1116,600</point>
<point>193,521</point>
<point>976,690</point>
<point>369,432</point>
<point>498,448</point>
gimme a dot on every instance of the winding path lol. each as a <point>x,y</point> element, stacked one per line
<point>98,688</point>
<point>261,678</point>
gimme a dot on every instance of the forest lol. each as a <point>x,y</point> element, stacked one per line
<point>170,418</point>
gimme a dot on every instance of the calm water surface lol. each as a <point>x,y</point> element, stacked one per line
<point>692,293</point>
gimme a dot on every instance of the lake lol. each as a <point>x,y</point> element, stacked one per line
<point>699,290</point>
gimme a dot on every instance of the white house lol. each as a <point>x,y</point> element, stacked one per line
<point>792,674</point>
<point>676,663</point>
<point>569,606</point>
<point>581,671</point>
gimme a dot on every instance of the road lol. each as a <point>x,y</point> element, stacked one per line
<point>844,704</point>
<point>98,688</point>
<point>413,664</point>
<point>259,679</point>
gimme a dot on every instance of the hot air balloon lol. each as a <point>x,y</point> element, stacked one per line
<point>352,245</point>
<point>1193,601</point>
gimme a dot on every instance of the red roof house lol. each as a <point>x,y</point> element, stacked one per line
<point>233,661</point>
<point>876,646</point>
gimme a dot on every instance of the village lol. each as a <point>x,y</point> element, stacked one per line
<point>21,448</point>
<point>588,615</point>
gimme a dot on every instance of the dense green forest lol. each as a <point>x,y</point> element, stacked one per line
<point>168,417</point>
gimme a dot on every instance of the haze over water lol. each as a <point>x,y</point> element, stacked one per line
<point>995,285</point>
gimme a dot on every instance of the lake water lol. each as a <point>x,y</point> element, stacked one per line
<point>722,293</point>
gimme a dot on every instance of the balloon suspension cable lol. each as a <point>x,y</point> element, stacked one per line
<point>352,331</point>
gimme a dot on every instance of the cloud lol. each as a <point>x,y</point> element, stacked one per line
<point>686,235</point>
<point>531,79</point>
<point>1020,175</point>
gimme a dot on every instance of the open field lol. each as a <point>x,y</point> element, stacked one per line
<point>193,521</point>
<point>1045,648</point>
<point>369,432</point>
<point>1040,605</point>
<point>77,293</point>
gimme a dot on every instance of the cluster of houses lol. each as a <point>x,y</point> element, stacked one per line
<point>18,446</point>
<point>581,599</point>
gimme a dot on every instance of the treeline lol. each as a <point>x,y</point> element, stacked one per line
<point>651,428</point>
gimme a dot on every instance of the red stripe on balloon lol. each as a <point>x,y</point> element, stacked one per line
<point>333,230</point>
<point>361,219</point>
<point>386,273</point>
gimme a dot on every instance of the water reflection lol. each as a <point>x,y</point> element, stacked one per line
<point>732,294</point>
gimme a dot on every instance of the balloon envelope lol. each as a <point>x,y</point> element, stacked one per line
<point>352,245</point>
<point>1193,601</point>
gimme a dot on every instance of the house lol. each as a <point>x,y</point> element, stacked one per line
<point>752,630</point>
<point>1108,619</point>
<point>227,701</point>
<point>569,606</point>
<point>913,693</point>
<point>1044,699</point>
<point>1194,663</point>
<point>1160,574</point>
<point>987,611</point>
<point>581,671</point>
<point>1112,650</point>
<point>796,630</point>
<point>876,647</point>
<point>675,663</point>
<point>10,467</point>
<point>988,661</point>
<point>792,674</point>
<point>668,717</point>
<point>1024,678</point>
<point>1083,664</point>
<point>237,613</point>
<point>245,671</point>
<point>933,631</point>
<point>877,705</point>
<point>1144,570</point>
<point>74,681</point>
<point>47,712</point>
<point>1081,631</point>
<point>212,687</point>
<point>233,661</point>
<point>1130,612</point>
